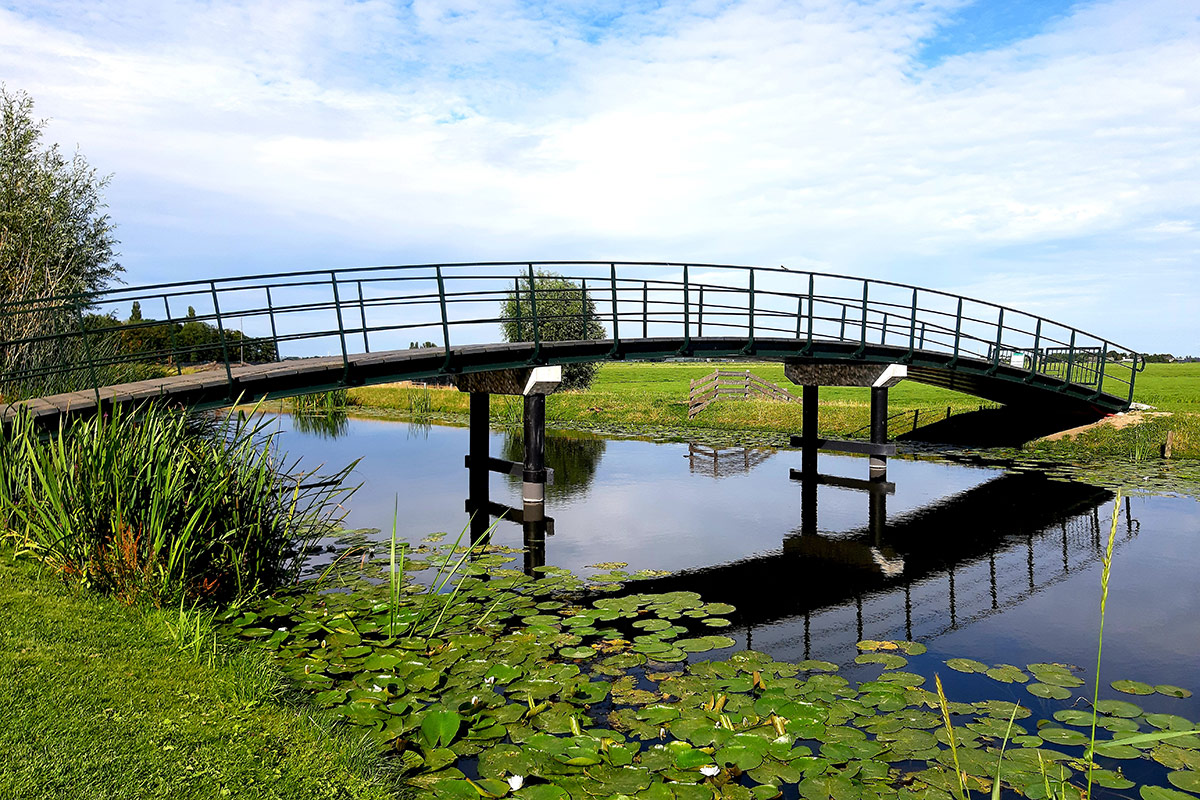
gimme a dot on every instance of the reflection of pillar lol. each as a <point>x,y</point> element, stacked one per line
<point>533,488</point>
<point>808,431</point>
<point>534,536</point>
<point>877,516</point>
<point>808,507</point>
<point>879,409</point>
<point>477,474</point>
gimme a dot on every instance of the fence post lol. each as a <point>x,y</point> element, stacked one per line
<point>221,332</point>
<point>337,307</point>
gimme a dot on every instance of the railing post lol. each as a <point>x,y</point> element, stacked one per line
<point>957,332</point>
<point>612,282</point>
<point>517,307</point>
<point>811,280</point>
<point>1103,364</point>
<point>1037,344</point>
<point>1133,371</point>
<point>799,314</point>
<point>687,321</point>
<point>750,341</point>
<point>212,285</point>
<point>842,330</point>
<point>362,314</point>
<point>645,309</point>
<point>537,335</point>
<point>862,344</point>
<point>999,341</point>
<point>337,307</point>
<point>921,344</point>
<point>274,333</point>
<point>700,315</point>
<point>171,330</point>
<point>912,327</point>
<point>87,353</point>
<point>583,306</point>
<point>1071,357</point>
<point>883,334</point>
<point>441,284</point>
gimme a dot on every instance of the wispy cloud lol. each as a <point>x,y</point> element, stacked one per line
<point>754,131</point>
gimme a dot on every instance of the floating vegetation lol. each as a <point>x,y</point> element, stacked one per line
<point>546,686</point>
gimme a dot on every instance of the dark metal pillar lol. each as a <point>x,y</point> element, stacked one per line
<point>477,474</point>
<point>533,527</point>
<point>808,432</point>
<point>879,415</point>
<point>533,487</point>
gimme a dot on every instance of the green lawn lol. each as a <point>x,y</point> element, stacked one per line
<point>99,702</point>
<point>639,397</point>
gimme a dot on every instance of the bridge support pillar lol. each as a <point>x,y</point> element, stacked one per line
<point>808,430</point>
<point>533,478</point>
<point>879,417</point>
<point>478,498</point>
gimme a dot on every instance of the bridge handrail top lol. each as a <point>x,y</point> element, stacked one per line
<point>231,281</point>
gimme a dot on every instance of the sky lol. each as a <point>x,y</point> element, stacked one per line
<point>1036,153</point>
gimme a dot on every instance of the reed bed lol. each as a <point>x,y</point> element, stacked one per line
<point>152,504</point>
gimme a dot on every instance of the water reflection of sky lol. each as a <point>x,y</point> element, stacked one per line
<point>1019,596</point>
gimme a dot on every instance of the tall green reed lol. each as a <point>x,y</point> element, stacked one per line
<point>147,504</point>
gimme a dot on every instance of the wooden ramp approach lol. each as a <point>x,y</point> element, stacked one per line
<point>732,383</point>
<point>319,330</point>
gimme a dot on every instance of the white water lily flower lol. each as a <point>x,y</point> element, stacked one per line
<point>488,681</point>
<point>376,688</point>
<point>281,629</point>
<point>515,782</point>
<point>709,770</point>
<point>474,699</point>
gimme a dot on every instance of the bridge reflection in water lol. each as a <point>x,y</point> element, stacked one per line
<point>927,572</point>
<point>918,575</point>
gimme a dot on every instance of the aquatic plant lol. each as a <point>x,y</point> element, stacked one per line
<point>543,686</point>
<point>146,504</point>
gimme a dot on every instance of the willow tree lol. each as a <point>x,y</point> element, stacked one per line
<point>55,240</point>
<point>564,313</point>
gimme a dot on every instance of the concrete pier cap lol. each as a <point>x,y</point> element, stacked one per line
<point>520,381</point>
<point>839,373</point>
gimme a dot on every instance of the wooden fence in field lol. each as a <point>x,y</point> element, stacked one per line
<point>731,383</point>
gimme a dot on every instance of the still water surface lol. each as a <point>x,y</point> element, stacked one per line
<point>998,566</point>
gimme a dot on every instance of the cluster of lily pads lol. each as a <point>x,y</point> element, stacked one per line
<point>546,687</point>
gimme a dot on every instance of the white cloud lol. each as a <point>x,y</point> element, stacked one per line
<point>750,131</point>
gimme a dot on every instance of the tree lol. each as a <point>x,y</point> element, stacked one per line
<point>135,313</point>
<point>55,240</point>
<point>564,313</point>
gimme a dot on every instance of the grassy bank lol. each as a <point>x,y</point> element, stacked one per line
<point>652,398</point>
<point>101,702</point>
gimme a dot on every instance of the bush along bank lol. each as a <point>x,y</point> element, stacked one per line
<point>498,684</point>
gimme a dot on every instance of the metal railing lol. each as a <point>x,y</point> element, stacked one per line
<point>85,341</point>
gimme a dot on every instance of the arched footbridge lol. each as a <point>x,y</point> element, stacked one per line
<point>320,330</point>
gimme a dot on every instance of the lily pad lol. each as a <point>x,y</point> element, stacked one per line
<point>1132,687</point>
<point>1185,779</point>
<point>1172,691</point>
<point>1048,691</point>
<point>1119,708</point>
<point>968,665</point>
<point>1160,793</point>
<point>1063,736</point>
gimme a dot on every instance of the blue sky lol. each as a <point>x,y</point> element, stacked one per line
<point>1040,154</point>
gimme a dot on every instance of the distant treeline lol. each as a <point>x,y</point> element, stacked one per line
<point>187,342</point>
